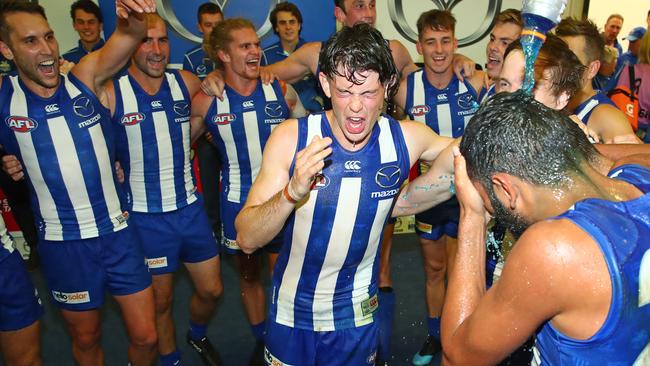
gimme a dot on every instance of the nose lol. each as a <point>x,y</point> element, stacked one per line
<point>155,46</point>
<point>355,103</point>
<point>45,47</point>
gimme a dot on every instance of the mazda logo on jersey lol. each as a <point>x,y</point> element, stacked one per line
<point>273,109</point>
<point>420,110</point>
<point>466,101</point>
<point>181,108</point>
<point>132,119</point>
<point>21,124</point>
<point>398,17</point>
<point>224,118</point>
<point>388,176</point>
<point>83,107</point>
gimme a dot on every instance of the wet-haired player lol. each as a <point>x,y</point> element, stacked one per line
<point>331,180</point>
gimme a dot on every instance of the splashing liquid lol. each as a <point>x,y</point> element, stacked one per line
<point>532,38</point>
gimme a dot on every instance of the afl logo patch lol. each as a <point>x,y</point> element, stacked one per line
<point>223,118</point>
<point>132,119</point>
<point>320,181</point>
<point>420,110</point>
<point>21,124</point>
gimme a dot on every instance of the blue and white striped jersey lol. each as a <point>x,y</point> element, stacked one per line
<point>325,277</point>
<point>6,244</point>
<point>153,143</point>
<point>197,62</point>
<point>65,144</point>
<point>586,108</point>
<point>622,231</point>
<point>446,111</point>
<point>240,126</point>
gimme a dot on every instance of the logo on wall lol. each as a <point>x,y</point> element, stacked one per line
<point>166,11</point>
<point>397,16</point>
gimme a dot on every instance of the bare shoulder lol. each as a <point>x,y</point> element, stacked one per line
<point>191,81</point>
<point>201,103</point>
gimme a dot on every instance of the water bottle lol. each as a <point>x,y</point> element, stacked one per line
<point>539,16</point>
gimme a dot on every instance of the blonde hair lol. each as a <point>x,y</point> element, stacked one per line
<point>221,36</point>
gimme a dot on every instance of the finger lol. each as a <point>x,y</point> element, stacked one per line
<point>131,5</point>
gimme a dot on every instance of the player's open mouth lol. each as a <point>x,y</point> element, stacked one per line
<point>46,67</point>
<point>355,124</point>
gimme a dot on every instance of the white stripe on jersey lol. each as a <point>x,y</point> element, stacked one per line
<point>165,154</point>
<point>136,153</point>
<point>269,93</point>
<point>337,251</point>
<point>177,95</point>
<point>234,173</point>
<point>304,216</point>
<point>72,90</point>
<point>590,105</point>
<point>106,176</point>
<point>386,144</point>
<point>253,142</point>
<point>363,275</point>
<point>46,204</point>
<point>72,175</point>
<point>313,127</point>
<point>444,119</point>
<point>418,94</point>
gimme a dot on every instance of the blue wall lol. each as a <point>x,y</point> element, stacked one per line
<point>318,19</point>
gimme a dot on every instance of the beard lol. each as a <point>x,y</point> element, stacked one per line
<point>509,219</point>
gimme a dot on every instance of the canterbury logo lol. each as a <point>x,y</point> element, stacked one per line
<point>51,108</point>
<point>248,104</point>
<point>156,104</point>
<point>352,165</point>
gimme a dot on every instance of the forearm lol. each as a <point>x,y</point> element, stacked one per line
<point>257,225</point>
<point>466,283</point>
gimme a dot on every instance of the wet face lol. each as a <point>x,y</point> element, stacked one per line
<point>509,218</point>
<point>502,35</point>
<point>153,54</point>
<point>33,48</point>
<point>356,108</point>
<point>612,29</point>
<point>437,49</point>
<point>242,55</point>
<point>208,21</point>
<point>287,27</point>
<point>511,79</point>
<point>357,11</point>
<point>87,25</point>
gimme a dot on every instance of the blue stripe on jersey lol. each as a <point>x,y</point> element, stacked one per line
<point>65,144</point>
<point>446,111</point>
<point>326,274</point>
<point>584,110</point>
<point>240,126</point>
<point>621,230</point>
<point>153,133</point>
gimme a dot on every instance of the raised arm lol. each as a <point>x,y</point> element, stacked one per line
<point>402,58</point>
<point>274,194</point>
<point>98,67</point>
<point>433,187</point>
<point>299,64</point>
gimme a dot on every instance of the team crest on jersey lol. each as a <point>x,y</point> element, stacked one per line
<point>201,69</point>
<point>83,107</point>
<point>388,176</point>
<point>273,109</point>
<point>132,118</point>
<point>21,124</point>
<point>224,118</point>
<point>420,110</point>
<point>320,181</point>
<point>466,101</point>
<point>182,109</point>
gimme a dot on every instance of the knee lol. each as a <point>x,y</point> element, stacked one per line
<point>212,292</point>
<point>163,302</point>
<point>145,338</point>
<point>435,270</point>
<point>86,340</point>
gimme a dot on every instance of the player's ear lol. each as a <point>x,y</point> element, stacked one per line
<point>6,51</point>
<point>506,189</point>
<point>325,84</point>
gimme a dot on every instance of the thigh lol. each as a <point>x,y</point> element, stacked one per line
<point>348,347</point>
<point>206,275</point>
<point>20,306</point>
<point>21,345</point>
<point>198,243</point>
<point>289,346</point>
<point>229,211</point>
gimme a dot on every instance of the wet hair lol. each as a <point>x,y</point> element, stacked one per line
<point>357,49</point>
<point>208,8</point>
<point>594,42</point>
<point>284,6</point>
<point>644,49</point>
<point>512,16</point>
<point>340,4</point>
<point>88,6</point>
<point>564,67</point>
<point>514,134</point>
<point>618,16</point>
<point>438,20</point>
<point>9,7</point>
<point>221,36</point>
